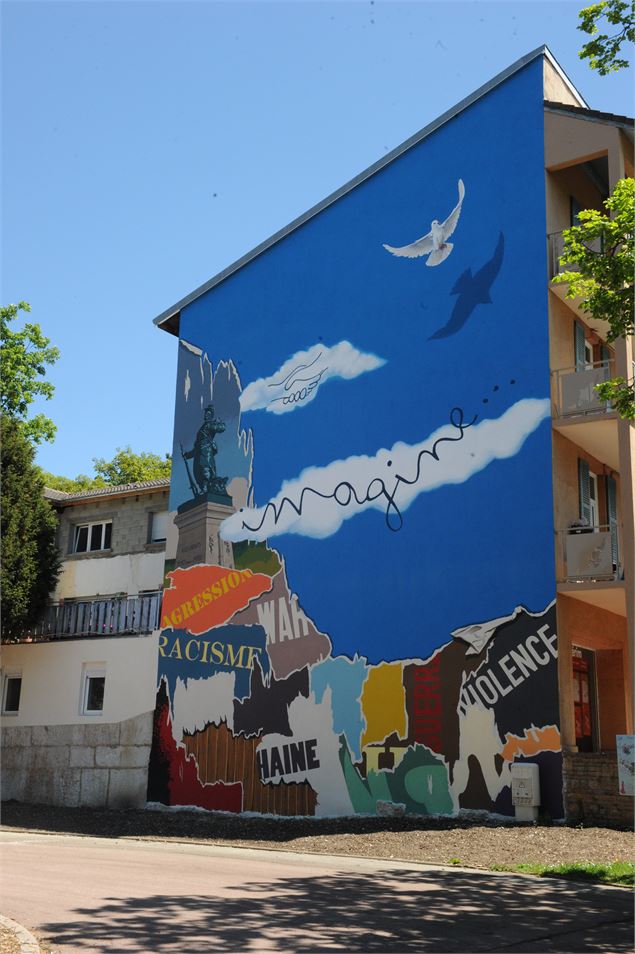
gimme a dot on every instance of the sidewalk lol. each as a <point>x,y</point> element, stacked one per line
<point>90,895</point>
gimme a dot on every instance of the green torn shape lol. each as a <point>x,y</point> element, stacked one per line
<point>257,557</point>
<point>420,782</point>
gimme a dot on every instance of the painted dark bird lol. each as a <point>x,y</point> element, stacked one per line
<point>472,290</point>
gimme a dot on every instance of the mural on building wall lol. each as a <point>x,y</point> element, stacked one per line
<point>360,608</point>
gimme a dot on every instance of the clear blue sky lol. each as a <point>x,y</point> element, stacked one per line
<point>148,145</point>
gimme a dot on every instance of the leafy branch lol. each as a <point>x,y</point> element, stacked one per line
<point>603,50</point>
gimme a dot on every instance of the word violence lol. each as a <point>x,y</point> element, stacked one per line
<point>512,669</point>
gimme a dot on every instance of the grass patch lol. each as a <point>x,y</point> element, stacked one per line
<point>615,872</point>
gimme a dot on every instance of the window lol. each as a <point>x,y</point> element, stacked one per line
<point>93,686</point>
<point>158,526</point>
<point>92,536</point>
<point>11,693</point>
<point>589,496</point>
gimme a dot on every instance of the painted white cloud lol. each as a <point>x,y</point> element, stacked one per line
<point>312,721</point>
<point>299,379</point>
<point>317,502</point>
<point>201,701</point>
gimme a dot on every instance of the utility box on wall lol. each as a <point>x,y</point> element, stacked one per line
<point>526,790</point>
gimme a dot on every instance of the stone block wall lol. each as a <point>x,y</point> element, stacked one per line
<point>591,791</point>
<point>130,523</point>
<point>97,766</point>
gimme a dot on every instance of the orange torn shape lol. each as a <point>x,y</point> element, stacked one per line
<point>546,739</point>
<point>201,597</point>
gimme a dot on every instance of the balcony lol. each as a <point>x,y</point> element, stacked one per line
<point>575,393</point>
<point>588,566</point>
<point>115,616</point>
<point>580,415</point>
<point>556,248</point>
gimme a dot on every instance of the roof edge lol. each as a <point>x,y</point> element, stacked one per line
<point>64,497</point>
<point>168,320</point>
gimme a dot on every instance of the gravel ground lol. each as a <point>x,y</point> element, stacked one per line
<point>8,942</point>
<point>473,842</point>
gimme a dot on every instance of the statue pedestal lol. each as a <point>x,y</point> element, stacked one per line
<point>198,522</point>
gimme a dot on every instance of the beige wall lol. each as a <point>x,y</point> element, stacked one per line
<point>582,624</point>
<point>105,576</point>
<point>561,186</point>
<point>52,679</point>
<point>555,89</point>
<point>570,140</point>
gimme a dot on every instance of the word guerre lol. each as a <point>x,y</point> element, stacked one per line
<point>215,591</point>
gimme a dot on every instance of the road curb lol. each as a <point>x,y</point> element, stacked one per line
<point>28,944</point>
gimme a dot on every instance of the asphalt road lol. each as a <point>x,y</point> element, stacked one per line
<point>90,894</point>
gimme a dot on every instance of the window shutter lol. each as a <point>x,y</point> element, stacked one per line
<point>605,353</point>
<point>611,514</point>
<point>578,331</point>
<point>585,491</point>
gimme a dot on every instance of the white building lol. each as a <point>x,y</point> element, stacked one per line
<point>78,691</point>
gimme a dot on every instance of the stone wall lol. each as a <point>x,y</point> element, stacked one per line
<point>98,766</point>
<point>130,517</point>
<point>591,791</point>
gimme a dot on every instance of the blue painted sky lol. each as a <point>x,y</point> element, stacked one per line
<point>147,145</point>
<point>467,551</point>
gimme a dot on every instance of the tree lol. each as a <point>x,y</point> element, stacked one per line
<point>25,355</point>
<point>72,485</point>
<point>30,559</point>
<point>603,50</point>
<point>602,249</point>
<point>126,467</point>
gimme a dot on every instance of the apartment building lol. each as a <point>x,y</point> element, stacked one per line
<point>78,690</point>
<point>586,153</point>
<point>405,520</point>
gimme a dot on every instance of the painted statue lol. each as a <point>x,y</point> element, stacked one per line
<point>204,455</point>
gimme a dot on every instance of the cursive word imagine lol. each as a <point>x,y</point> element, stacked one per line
<point>344,492</point>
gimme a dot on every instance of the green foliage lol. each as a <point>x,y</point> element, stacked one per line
<point>30,560</point>
<point>599,255</point>
<point>127,467</point>
<point>24,357</point>
<point>70,485</point>
<point>619,392</point>
<point>614,872</point>
<point>603,49</point>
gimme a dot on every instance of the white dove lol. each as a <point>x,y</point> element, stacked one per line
<point>435,244</point>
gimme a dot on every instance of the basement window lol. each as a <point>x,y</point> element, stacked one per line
<point>90,537</point>
<point>11,693</point>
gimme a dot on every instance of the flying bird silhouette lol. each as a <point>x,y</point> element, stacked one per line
<point>472,290</point>
<point>435,244</point>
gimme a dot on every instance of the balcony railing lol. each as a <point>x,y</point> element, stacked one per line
<point>556,248</point>
<point>116,616</point>
<point>589,554</point>
<point>575,392</point>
